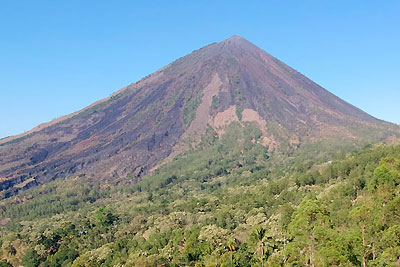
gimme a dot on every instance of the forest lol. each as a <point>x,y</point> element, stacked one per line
<point>227,202</point>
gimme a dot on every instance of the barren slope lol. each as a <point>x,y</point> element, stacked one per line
<point>168,111</point>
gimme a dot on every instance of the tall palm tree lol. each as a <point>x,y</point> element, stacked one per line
<point>231,246</point>
<point>260,234</point>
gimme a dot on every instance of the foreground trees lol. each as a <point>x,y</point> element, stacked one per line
<point>342,213</point>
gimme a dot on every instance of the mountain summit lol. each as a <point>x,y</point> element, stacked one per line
<point>169,111</point>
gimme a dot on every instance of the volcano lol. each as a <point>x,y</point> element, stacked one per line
<point>149,122</point>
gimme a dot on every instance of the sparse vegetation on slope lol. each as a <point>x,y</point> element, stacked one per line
<point>139,126</point>
<point>227,199</point>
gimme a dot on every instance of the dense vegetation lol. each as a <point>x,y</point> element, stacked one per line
<point>228,202</point>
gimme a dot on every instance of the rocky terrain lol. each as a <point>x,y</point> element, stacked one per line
<point>151,121</point>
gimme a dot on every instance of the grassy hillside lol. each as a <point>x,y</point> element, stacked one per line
<point>226,201</point>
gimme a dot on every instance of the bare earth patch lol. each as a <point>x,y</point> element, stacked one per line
<point>223,119</point>
<point>4,221</point>
<point>198,126</point>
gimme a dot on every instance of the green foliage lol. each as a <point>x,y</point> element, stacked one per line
<point>64,256</point>
<point>239,111</point>
<point>159,118</point>
<point>16,140</point>
<point>227,202</point>
<point>189,109</point>
<point>104,217</point>
<point>5,263</point>
<point>387,174</point>
<point>31,259</point>
<point>215,102</point>
<point>50,199</point>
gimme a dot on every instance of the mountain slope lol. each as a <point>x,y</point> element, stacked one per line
<point>167,112</point>
<point>345,212</point>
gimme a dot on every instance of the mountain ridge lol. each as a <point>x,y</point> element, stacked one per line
<point>168,111</point>
<point>41,126</point>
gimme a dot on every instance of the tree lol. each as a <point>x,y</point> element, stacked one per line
<point>30,259</point>
<point>232,245</point>
<point>64,255</point>
<point>258,235</point>
<point>5,263</point>
<point>390,245</point>
<point>367,221</point>
<point>286,212</point>
<point>308,229</point>
<point>105,217</point>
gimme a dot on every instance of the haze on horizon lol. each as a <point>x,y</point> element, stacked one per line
<point>72,54</point>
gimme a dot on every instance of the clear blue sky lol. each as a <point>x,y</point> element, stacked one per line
<point>59,56</point>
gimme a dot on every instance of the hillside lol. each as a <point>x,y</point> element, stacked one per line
<point>215,204</point>
<point>150,122</point>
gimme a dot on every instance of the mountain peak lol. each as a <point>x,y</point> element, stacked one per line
<point>133,130</point>
<point>237,41</point>
<point>235,38</point>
